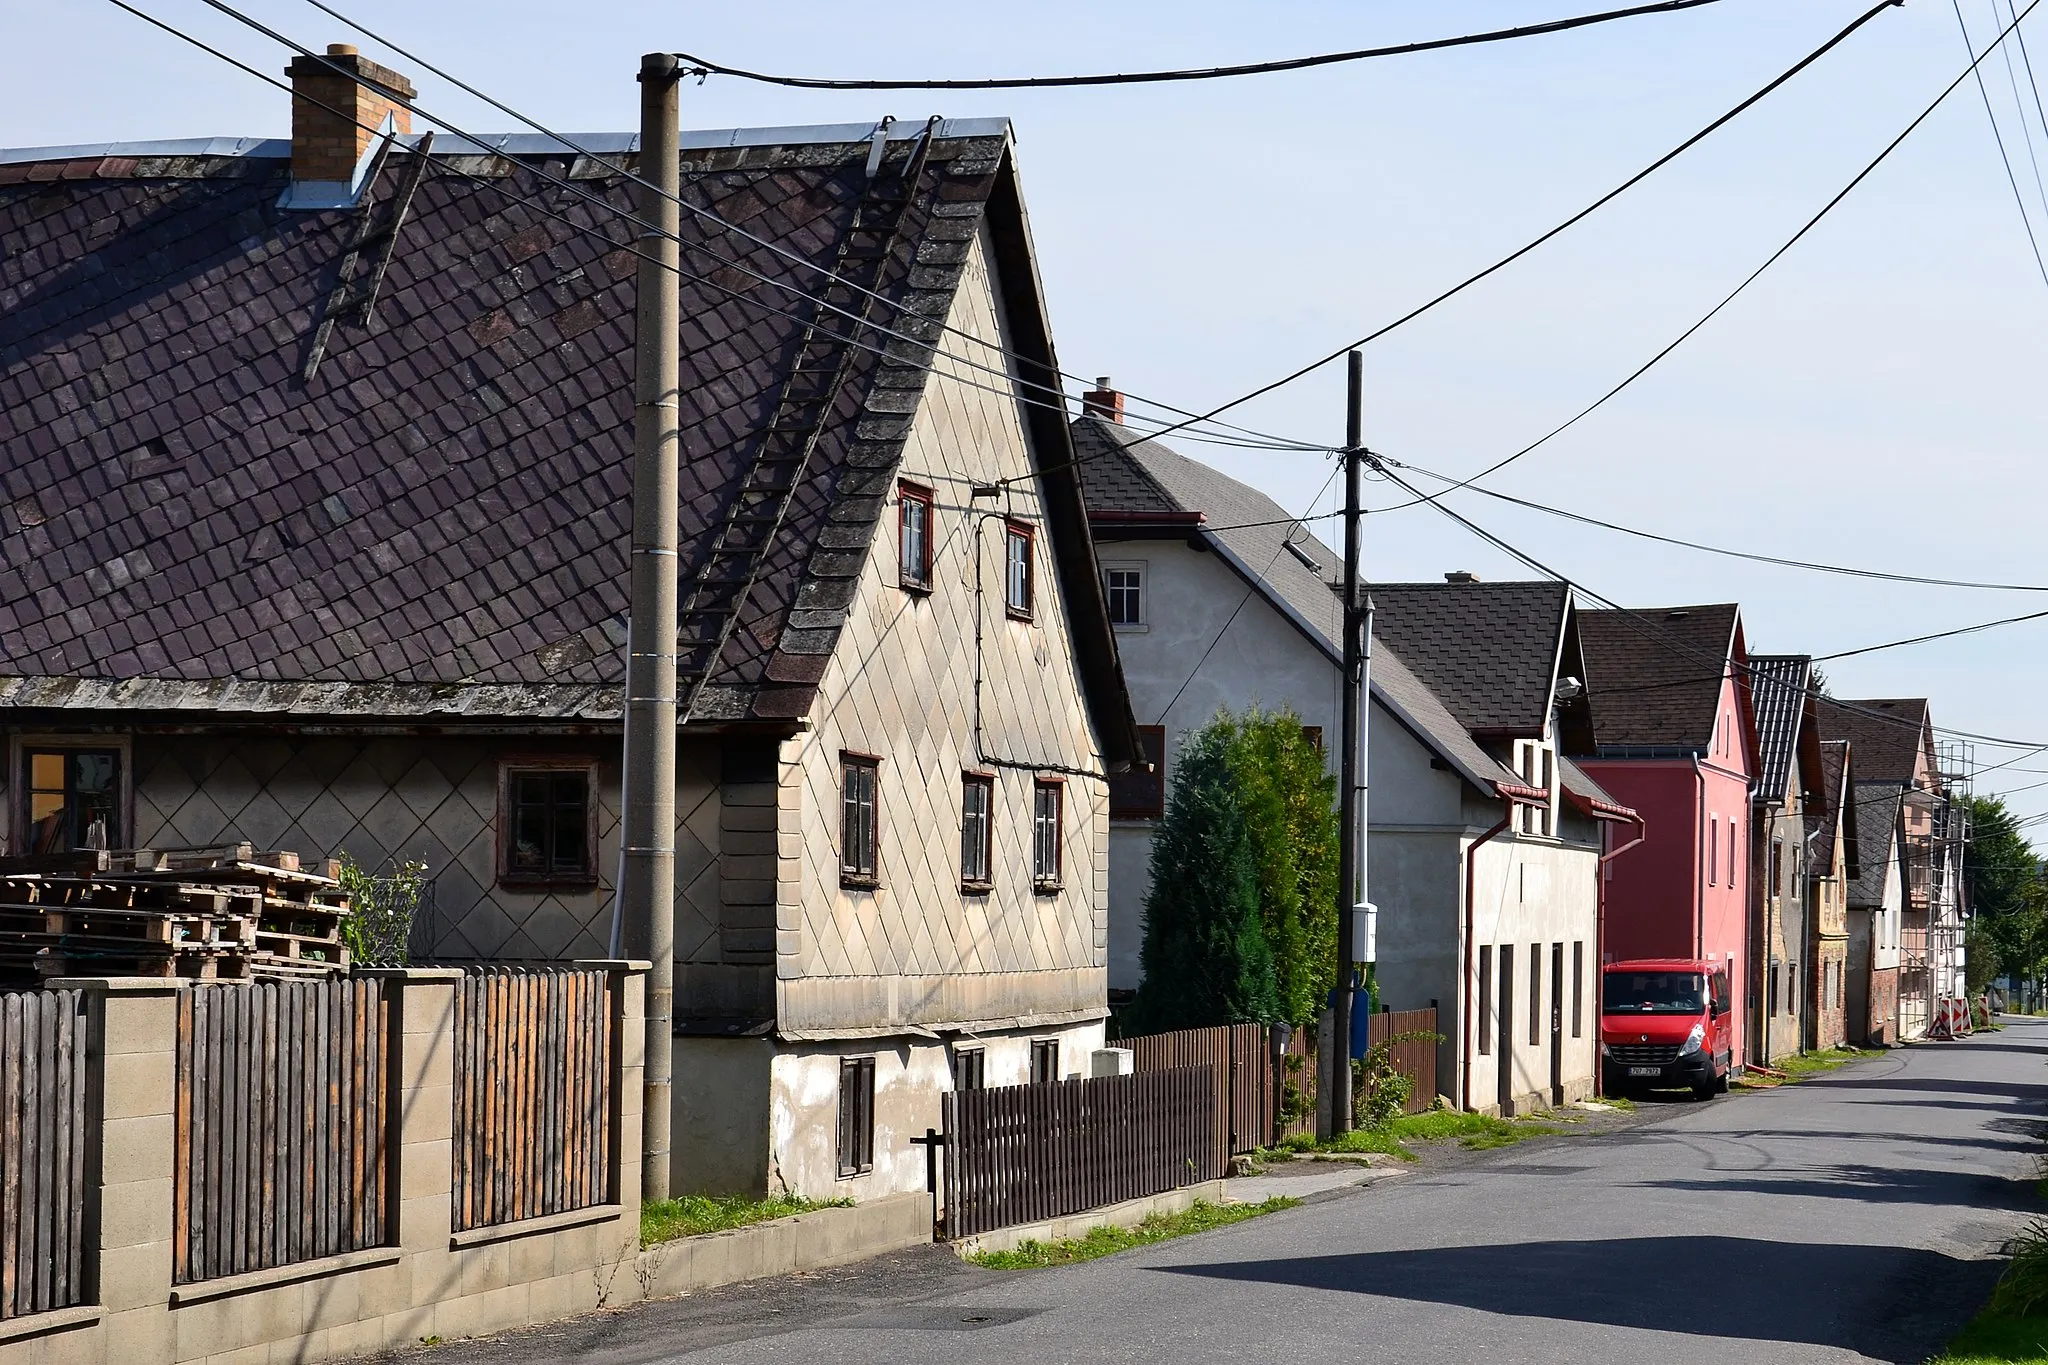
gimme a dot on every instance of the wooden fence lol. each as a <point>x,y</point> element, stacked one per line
<point>44,1044</point>
<point>1415,1058</point>
<point>533,1059</point>
<point>281,1117</point>
<point>1022,1153</point>
<point>1240,1059</point>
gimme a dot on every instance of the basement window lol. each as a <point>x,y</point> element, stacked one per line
<point>1045,1061</point>
<point>856,1116</point>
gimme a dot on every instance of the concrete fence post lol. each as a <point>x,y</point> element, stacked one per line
<point>132,1166</point>
<point>626,987</point>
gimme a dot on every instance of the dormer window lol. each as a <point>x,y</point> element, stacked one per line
<point>1535,764</point>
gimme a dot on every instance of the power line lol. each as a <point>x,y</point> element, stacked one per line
<point>702,213</point>
<point>704,66</point>
<point>2026,220</point>
<point>2020,36</point>
<point>1597,204</point>
<point>1753,556</point>
<point>1750,279</point>
<point>2012,79</point>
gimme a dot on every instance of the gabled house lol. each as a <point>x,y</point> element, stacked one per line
<point>344,570</point>
<point>1483,845</point>
<point>1894,747</point>
<point>1834,862</point>
<point>1788,782</point>
<point>1876,913</point>
<point>1673,735</point>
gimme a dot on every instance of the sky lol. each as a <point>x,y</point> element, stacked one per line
<point>1874,400</point>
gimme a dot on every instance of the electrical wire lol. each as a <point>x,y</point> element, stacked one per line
<point>2020,200</point>
<point>703,214</point>
<point>2012,79</point>
<point>703,66</point>
<point>1748,280</point>
<point>1752,556</point>
<point>2026,59</point>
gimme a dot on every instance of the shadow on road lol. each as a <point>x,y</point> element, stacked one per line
<point>1866,1185</point>
<point>1891,1303</point>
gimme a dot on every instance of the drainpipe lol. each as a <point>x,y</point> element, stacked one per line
<point>1600,935</point>
<point>1471,927</point>
<point>1699,918</point>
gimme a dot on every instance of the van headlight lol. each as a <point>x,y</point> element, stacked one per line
<point>1693,1040</point>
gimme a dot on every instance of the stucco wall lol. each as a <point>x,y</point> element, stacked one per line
<point>902,685</point>
<point>1782,1014</point>
<point>719,1115</point>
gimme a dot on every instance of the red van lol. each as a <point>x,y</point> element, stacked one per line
<point>1665,1023</point>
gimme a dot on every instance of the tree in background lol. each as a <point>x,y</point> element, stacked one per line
<point>1289,803</point>
<point>1205,954</point>
<point>2002,880</point>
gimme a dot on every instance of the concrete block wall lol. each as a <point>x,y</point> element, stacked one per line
<point>429,1282</point>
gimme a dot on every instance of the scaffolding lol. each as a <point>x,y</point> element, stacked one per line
<point>1933,996</point>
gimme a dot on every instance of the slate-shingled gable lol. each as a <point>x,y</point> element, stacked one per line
<point>446,505</point>
<point>1653,678</point>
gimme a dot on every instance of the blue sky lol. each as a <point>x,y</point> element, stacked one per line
<point>1874,400</point>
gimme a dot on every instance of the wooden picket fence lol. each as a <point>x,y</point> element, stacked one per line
<point>44,1043</point>
<point>1023,1153</point>
<point>533,1104</point>
<point>1414,1058</point>
<point>1240,1059</point>
<point>281,1125</point>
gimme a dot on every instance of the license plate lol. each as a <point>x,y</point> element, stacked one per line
<point>1646,1071</point>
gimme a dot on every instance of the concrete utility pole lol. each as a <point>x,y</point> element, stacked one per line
<point>1350,812</point>
<point>647,890</point>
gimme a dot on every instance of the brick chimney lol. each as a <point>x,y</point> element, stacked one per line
<point>1461,576</point>
<point>1104,402</point>
<point>339,104</point>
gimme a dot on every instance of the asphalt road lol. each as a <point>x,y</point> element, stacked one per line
<point>1854,1217</point>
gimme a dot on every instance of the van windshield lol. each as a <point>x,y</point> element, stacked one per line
<point>1655,993</point>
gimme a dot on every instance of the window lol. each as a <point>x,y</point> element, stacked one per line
<point>1137,794</point>
<point>1771,993</point>
<point>1314,735</point>
<point>1485,1000</point>
<point>1045,834</point>
<point>1578,984</point>
<point>1126,592</point>
<point>977,797</point>
<point>1535,994</point>
<point>1045,1060</point>
<point>1017,571</point>
<point>914,536</point>
<point>1791,988</point>
<point>856,1116</point>
<point>970,1068</point>
<point>1777,869</point>
<point>1731,851</point>
<point>547,823</point>
<point>74,799</point>
<point>1713,848</point>
<point>859,837</point>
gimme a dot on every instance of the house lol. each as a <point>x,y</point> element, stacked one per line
<point>1483,846</point>
<point>1894,746</point>
<point>1788,781</point>
<point>1834,862</point>
<point>1876,911</point>
<point>1673,735</point>
<point>345,570</point>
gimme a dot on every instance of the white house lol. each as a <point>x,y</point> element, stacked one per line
<point>1484,844</point>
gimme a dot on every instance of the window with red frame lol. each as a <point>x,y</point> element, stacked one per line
<point>1017,568</point>
<point>914,536</point>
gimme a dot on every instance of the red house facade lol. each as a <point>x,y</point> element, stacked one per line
<point>1674,737</point>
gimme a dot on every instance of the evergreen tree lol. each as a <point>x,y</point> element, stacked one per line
<point>1205,954</point>
<point>1289,805</point>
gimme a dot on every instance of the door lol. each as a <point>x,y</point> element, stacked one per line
<point>1557,1023</point>
<point>1505,1066</point>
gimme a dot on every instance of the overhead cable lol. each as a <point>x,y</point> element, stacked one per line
<point>2020,200</point>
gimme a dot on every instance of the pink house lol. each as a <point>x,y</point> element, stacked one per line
<point>1674,736</point>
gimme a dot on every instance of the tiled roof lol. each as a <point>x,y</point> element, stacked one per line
<point>1490,650</point>
<point>1889,734</point>
<point>1412,702</point>
<point>1112,477</point>
<point>1875,808</point>
<point>1653,677</point>
<point>1778,691</point>
<point>1821,814</point>
<point>444,508</point>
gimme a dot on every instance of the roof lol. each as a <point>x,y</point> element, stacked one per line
<point>442,512</point>
<point>1778,690</point>
<point>1589,795</point>
<point>1490,650</point>
<point>1888,734</point>
<point>1821,817</point>
<point>1132,482</point>
<point>1653,677</point>
<point>1875,808</point>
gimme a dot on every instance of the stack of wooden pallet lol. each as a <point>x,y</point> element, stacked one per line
<point>224,913</point>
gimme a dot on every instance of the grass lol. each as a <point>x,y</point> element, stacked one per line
<point>696,1214</point>
<point>1476,1131</point>
<point>1994,1339</point>
<point>1804,1066</point>
<point>1160,1227</point>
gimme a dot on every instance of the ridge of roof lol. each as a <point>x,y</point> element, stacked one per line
<point>1490,650</point>
<point>1647,679</point>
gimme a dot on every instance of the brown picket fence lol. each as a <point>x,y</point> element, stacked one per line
<point>1240,1059</point>
<point>44,1043</point>
<point>533,1059</point>
<point>1023,1153</point>
<point>281,1125</point>
<point>1414,1058</point>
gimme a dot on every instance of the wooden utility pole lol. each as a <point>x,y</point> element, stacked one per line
<point>647,888</point>
<point>1350,835</point>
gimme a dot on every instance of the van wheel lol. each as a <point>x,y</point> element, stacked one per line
<point>1703,1093</point>
<point>1721,1083</point>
